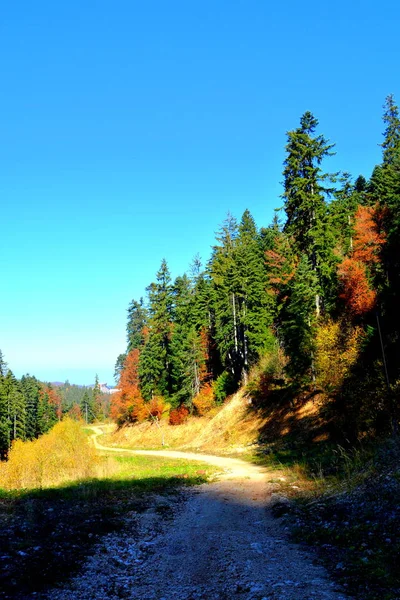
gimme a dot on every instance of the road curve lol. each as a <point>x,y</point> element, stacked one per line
<point>222,544</point>
<point>233,467</point>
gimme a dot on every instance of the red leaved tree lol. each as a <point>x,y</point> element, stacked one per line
<point>127,405</point>
<point>354,271</point>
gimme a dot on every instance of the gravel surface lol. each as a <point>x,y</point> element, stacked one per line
<point>216,542</point>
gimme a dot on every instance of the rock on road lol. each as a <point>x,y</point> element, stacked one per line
<point>223,543</point>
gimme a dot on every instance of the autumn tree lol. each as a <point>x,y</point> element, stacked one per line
<point>127,405</point>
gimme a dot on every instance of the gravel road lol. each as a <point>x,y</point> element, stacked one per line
<point>218,541</point>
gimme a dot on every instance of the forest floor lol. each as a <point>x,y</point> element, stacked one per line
<point>216,541</point>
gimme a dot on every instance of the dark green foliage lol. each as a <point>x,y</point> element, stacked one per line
<point>255,306</point>
<point>391,143</point>
<point>46,414</point>
<point>71,395</point>
<point>30,388</point>
<point>299,319</point>
<point>273,288</point>
<point>87,407</point>
<point>137,319</point>
<point>305,204</point>
<point>223,386</point>
<point>155,367</point>
<point>119,365</point>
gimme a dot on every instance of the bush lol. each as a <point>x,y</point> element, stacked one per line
<point>63,454</point>
<point>156,407</point>
<point>223,386</point>
<point>268,373</point>
<point>177,416</point>
<point>337,350</point>
<point>204,401</point>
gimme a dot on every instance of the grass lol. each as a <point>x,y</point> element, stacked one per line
<point>349,510</point>
<point>45,535</point>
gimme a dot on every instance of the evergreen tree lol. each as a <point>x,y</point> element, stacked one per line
<point>119,365</point>
<point>46,411</point>
<point>135,329</point>
<point>16,409</point>
<point>87,408</point>
<point>384,189</point>
<point>250,281</point>
<point>96,406</point>
<point>305,203</point>
<point>30,388</point>
<point>391,143</point>
<point>187,353</point>
<point>225,300</point>
<point>155,368</point>
<point>3,365</point>
<point>298,323</point>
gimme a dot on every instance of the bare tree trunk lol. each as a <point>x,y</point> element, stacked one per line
<point>317,305</point>
<point>235,323</point>
<point>351,237</point>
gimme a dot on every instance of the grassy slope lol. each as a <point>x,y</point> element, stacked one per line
<point>230,429</point>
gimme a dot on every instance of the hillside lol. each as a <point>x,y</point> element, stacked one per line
<point>232,428</point>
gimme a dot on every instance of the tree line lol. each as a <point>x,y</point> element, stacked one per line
<point>29,408</point>
<point>314,297</point>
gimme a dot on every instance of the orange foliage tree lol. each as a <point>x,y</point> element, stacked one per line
<point>127,405</point>
<point>48,393</point>
<point>359,297</point>
<point>367,238</point>
<point>353,272</point>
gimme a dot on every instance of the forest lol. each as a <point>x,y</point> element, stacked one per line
<point>309,302</point>
<point>29,407</point>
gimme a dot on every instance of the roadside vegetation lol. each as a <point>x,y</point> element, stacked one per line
<point>58,497</point>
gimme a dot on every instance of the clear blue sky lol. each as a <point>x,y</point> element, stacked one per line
<point>128,130</point>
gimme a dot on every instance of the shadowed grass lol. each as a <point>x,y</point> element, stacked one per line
<point>45,535</point>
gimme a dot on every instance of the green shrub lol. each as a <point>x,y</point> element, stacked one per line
<point>223,386</point>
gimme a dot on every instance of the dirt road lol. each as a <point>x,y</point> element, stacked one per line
<point>223,543</point>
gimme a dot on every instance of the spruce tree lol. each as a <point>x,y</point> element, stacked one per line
<point>298,322</point>
<point>250,282</point>
<point>305,195</point>
<point>137,319</point>
<point>225,298</point>
<point>155,368</point>
<point>87,407</point>
<point>391,143</point>
<point>30,388</point>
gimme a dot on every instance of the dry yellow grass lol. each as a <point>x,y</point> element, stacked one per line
<point>228,429</point>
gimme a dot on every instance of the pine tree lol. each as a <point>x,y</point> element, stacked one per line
<point>30,388</point>
<point>384,189</point>
<point>250,281</point>
<point>137,320</point>
<point>305,203</point>
<point>225,300</point>
<point>188,355</point>
<point>96,406</point>
<point>87,408</point>
<point>391,143</point>
<point>155,369</point>
<point>298,323</point>
<point>16,408</point>
<point>119,365</point>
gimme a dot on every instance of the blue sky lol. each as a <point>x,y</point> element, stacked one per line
<point>129,129</point>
